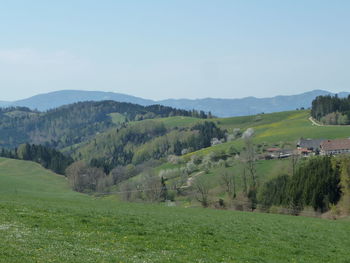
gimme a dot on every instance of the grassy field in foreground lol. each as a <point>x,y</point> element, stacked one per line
<point>41,220</point>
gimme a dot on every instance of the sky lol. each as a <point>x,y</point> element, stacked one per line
<point>174,49</point>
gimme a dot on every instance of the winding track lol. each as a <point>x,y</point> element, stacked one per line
<point>314,122</point>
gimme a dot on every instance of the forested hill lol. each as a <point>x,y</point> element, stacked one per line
<point>74,123</point>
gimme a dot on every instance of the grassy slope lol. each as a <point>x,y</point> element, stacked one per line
<point>179,121</point>
<point>41,220</point>
<point>286,126</point>
<point>117,118</point>
<point>265,170</point>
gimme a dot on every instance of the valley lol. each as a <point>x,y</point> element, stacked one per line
<point>174,131</point>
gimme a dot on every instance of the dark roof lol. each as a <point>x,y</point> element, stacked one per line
<point>337,144</point>
<point>310,143</point>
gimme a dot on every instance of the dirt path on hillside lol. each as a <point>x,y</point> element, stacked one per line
<point>314,122</point>
<point>191,179</point>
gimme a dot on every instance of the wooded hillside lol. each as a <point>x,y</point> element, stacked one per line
<point>331,110</point>
<point>75,123</point>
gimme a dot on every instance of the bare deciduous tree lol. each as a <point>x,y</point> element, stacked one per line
<point>104,183</point>
<point>83,177</point>
<point>202,191</point>
<point>94,174</point>
<point>126,190</point>
<point>152,187</point>
<point>76,173</point>
<point>228,180</point>
<point>249,159</point>
<point>245,186</point>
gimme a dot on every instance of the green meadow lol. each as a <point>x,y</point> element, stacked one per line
<point>42,220</point>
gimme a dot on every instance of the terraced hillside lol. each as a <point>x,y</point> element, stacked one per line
<point>41,220</point>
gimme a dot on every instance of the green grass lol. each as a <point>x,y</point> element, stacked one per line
<point>117,118</point>
<point>265,170</point>
<point>41,220</point>
<point>288,127</point>
<point>27,178</point>
<point>172,122</point>
<point>179,121</point>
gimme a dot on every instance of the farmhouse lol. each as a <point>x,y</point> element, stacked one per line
<point>333,147</point>
<point>310,144</point>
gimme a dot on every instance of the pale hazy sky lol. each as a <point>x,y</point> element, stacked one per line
<point>181,48</point>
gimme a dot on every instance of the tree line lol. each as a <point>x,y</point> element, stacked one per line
<point>204,133</point>
<point>331,110</point>
<point>49,158</point>
<point>316,183</point>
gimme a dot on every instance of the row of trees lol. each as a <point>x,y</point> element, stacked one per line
<point>204,134</point>
<point>316,183</point>
<point>331,110</point>
<point>47,157</point>
<point>86,178</point>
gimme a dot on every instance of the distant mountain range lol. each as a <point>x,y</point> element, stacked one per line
<point>56,99</point>
<point>218,107</point>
